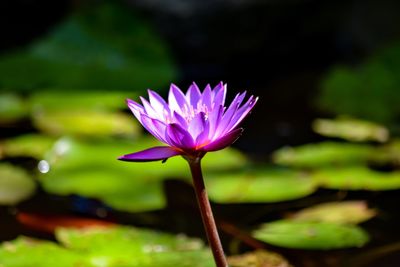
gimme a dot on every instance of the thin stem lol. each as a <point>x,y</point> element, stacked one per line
<point>206,213</point>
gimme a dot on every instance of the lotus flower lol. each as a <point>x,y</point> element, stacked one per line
<point>189,124</point>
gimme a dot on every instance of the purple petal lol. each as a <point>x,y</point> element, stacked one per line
<point>157,102</point>
<point>136,109</point>
<point>223,142</point>
<point>150,110</point>
<point>242,113</point>
<point>214,118</point>
<point>193,95</point>
<point>203,138</point>
<point>176,99</point>
<point>179,137</point>
<point>152,154</point>
<point>155,127</point>
<point>219,95</point>
<point>206,97</point>
<point>196,125</point>
<point>180,120</point>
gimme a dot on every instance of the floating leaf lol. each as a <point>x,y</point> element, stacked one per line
<point>351,129</point>
<point>269,185</point>
<point>112,247</point>
<point>12,107</point>
<point>387,154</point>
<point>85,123</point>
<point>258,258</point>
<point>15,184</point>
<point>69,100</point>
<point>91,169</point>
<point>323,154</point>
<point>311,235</point>
<point>30,145</point>
<point>357,178</point>
<point>351,212</point>
<point>27,252</point>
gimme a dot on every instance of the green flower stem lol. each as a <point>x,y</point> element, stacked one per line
<point>206,212</point>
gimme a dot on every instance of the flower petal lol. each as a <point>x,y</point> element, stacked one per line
<point>152,154</point>
<point>223,142</point>
<point>193,95</point>
<point>136,109</point>
<point>241,113</point>
<point>155,127</point>
<point>219,95</point>
<point>157,102</point>
<point>176,99</point>
<point>206,97</point>
<point>196,125</point>
<point>179,137</point>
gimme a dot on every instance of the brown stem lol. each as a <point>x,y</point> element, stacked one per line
<point>206,213</point>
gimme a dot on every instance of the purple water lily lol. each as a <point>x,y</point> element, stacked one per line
<point>189,124</point>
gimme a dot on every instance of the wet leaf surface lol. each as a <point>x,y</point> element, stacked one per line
<point>350,212</point>
<point>258,258</point>
<point>311,235</point>
<point>323,154</point>
<point>116,246</point>
<point>351,129</point>
<point>267,185</point>
<point>357,178</point>
<point>15,184</point>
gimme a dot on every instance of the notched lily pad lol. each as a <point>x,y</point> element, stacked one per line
<point>15,185</point>
<point>351,129</point>
<point>311,235</point>
<point>85,123</point>
<point>350,212</point>
<point>323,154</point>
<point>357,178</point>
<point>268,185</point>
<point>258,258</point>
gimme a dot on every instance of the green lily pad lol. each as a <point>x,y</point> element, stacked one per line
<point>112,247</point>
<point>28,252</point>
<point>91,169</point>
<point>350,212</point>
<point>311,235</point>
<point>15,185</point>
<point>85,123</point>
<point>88,100</point>
<point>12,107</point>
<point>357,178</point>
<point>323,154</point>
<point>387,154</point>
<point>30,145</point>
<point>269,185</point>
<point>351,129</point>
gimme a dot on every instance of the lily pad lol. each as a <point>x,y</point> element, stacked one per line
<point>268,185</point>
<point>29,145</point>
<point>311,235</point>
<point>258,258</point>
<point>12,107</point>
<point>113,247</point>
<point>85,123</point>
<point>91,169</point>
<point>357,178</point>
<point>15,184</point>
<point>323,154</point>
<point>350,212</point>
<point>351,129</point>
<point>88,100</point>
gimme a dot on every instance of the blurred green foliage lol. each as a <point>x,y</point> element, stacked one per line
<point>103,47</point>
<point>369,91</point>
<point>116,246</point>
